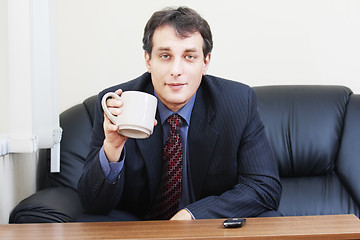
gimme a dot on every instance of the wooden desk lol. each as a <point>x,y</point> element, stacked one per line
<point>309,227</point>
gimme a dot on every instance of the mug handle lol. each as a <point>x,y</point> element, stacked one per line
<point>105,108</point>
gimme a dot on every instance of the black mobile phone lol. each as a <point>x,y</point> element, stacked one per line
<point>234,222</point>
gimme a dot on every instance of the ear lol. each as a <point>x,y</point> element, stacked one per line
<point>206,64</point>
<point>147,61</point>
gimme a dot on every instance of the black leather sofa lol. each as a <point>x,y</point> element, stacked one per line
<point>314,131</point>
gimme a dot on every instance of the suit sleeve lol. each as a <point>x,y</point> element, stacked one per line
<point>257,187</point>
<point>97,194</point>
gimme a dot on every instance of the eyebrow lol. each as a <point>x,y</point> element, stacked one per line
<point>163,49</point>
<point>168,49</point>
<point>191,50</point>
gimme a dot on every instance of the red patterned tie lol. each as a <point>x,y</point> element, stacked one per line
<point>167,201</point>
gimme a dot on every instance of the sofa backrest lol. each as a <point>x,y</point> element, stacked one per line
<point>314,132</point>
<point>76,123</point>
<point>305,126</point>
<point>348,163</point>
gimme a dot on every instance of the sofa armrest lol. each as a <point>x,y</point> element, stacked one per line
<point>49,205</point>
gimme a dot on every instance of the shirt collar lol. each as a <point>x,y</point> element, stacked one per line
<point>184,112</point>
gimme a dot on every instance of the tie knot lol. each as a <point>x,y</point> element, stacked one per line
<point>175,121</point>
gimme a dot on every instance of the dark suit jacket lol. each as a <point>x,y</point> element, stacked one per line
<point>232,165</point>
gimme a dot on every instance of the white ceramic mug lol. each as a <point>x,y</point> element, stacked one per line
<point>138,113</point>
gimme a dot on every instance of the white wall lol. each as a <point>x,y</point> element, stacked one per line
<point>18,173</point>
<point>258,42</point>
<point>28,77</point>
<point>4,83</point>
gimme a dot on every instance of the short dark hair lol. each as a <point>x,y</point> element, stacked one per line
<point>184,20</point>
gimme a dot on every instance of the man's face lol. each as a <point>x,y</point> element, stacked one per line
<point>176,66</point>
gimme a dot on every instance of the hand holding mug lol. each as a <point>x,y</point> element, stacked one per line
<point>137,115</point>
<point>114,142</point>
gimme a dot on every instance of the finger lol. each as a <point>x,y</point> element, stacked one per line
<point>111,102</point>
<point>111,128</point>
<point>115,111</point>
<point>119,92</point>
<point>108,125</point>
<point>114,106</point>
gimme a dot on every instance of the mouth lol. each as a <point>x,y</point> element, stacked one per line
<point>175,86</point>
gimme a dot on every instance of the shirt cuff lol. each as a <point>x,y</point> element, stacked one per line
<point>193,217</point>
<point>111,170</point>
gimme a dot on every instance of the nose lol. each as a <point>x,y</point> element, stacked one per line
<point>176,68</point>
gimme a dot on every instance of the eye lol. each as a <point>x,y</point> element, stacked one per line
<point>165,56</point>
<point>190,57</point>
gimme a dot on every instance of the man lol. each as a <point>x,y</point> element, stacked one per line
<point>227,165</point>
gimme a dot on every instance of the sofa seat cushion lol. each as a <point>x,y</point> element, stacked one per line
<point>50,205</point>
<point>316,195</point>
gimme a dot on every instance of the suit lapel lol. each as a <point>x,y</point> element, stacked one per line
<point>202,139</point>
<point>151,151</point>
